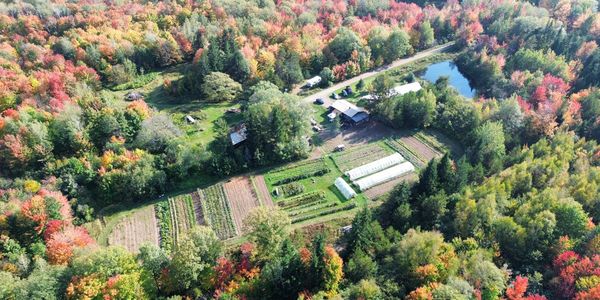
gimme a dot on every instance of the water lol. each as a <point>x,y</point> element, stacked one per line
<point>457,80</point>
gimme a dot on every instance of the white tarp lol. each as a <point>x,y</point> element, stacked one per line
<point>344,188</point>
<point>375,166</point>
<point>385,175</point>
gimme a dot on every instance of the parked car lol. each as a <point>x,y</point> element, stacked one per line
<point>340,147</point>
<point>319,101</point>
<point>335,96</point>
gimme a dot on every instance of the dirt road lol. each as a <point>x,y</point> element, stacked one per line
<point>324,94</point>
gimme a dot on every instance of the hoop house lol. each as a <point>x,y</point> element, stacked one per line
<point>375,166</point>
<point>385,175</point>
<point>344,188</point>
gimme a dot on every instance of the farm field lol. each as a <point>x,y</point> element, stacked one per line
<point>360,155</point>
<point>242,199</point>
<point>305,190</point>
<point>316,194</point>
<point>217,211</point>
<point>136,229</point>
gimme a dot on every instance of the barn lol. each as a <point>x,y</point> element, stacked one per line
<point>348,112</point>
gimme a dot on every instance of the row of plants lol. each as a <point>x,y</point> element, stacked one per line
<point>325,212</point>
<point>431,142</point>
<point>281,176</point>
<point>174,220</point>
<point>406,152</point>
<point>313,207</point>
<point>317,173</point>
<point>301,200</point>
<point>292,189</point>
<point>348,160</point>
<point>217,211</point>
<point>304,163</point>
<point>182,211</point>
<point>163,217</point>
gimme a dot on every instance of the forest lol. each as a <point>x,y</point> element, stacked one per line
<point>513,217</point>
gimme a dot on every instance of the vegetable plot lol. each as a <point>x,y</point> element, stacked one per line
<point>217,211</point>
<point>242,199</point>
<point>359,156</point>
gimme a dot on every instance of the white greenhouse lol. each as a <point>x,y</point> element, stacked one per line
<point>385,175</point>
<point>344,188</point>
<point>375,166</point>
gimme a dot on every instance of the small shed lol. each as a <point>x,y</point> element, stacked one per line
<point>190,119</point>
<point>238,134</point>
<point>132,96</point>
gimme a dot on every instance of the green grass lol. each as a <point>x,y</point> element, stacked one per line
<point>178,107</point>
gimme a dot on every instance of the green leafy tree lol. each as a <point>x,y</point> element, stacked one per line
<point>397,46</point>
<point>156,133</point>
<point>426,34</point>
<point>287,68</point>
<point>488,147</point>
<point>267,228</point>
<point>326,77</point>
<point>193,260</point>
<point>344,43</point>
<point>219,87</point>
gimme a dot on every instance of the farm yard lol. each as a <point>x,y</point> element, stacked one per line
<point>305,190</point>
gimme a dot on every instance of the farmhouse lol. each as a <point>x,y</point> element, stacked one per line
<point>348,112</point>
<point>238,134</point>
<point>313,82</point>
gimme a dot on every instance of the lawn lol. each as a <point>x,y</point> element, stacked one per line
<point>178,107</point>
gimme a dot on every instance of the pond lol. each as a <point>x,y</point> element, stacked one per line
<point>456,79</point>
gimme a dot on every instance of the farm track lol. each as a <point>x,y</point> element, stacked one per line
<point>242,199</point>
<point>198,208</point>
<point>136,229</point>
<point>263,191</point>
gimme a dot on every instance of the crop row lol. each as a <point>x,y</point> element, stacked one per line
<point>182,214</point>
<point>406,152</point>
<point>313,207</point>
<point>301,200</point>
<point>282,177</point>
<point>217,211</point>
<point>431,142</point>
<point>304,175</point>
<point>163,216</point>
<point>305,163</point>
<point>325,212</point>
